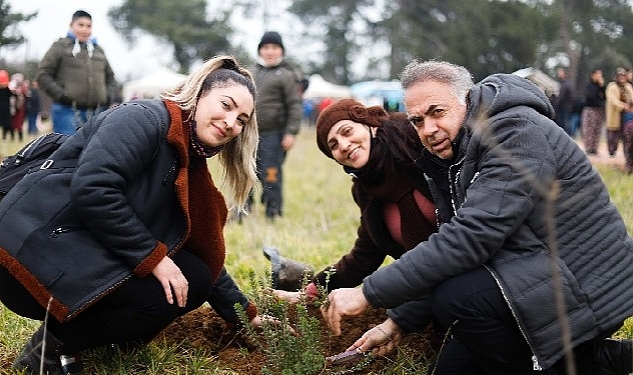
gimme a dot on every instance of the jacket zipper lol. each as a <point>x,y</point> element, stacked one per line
<point>60,230</point>
<point>535,364</point>
<point>452,183</point>
<point>454,191</point>
<point>171,171</point>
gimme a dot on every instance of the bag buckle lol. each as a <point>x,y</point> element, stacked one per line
<point>47,164</point>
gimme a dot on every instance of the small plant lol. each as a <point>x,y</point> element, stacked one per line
<point>289,351</point>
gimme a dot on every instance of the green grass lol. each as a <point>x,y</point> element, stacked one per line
<point>318,226</point>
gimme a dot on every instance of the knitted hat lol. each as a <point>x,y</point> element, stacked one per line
<point>346,109</point>
<point>271,37</point>
<point>4,77</point>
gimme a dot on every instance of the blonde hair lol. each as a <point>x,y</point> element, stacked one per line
<point>239,155</point>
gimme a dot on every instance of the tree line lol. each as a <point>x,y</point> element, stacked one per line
<point>485,36</point>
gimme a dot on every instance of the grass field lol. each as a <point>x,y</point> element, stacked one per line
<point>318,226</point>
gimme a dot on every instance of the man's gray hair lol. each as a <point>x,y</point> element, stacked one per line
<point>458,77</point>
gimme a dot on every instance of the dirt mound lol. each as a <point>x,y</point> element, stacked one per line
<point>204,328</point>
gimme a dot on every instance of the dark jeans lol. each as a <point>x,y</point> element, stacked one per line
<point>131,315</point>
<point>487,340</point>
<point>32,119</point>
<point>67,120</point>
<point>486,333</point>
<point>270,159</point>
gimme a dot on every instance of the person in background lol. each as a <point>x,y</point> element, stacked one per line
<point>618,100</point>
<point>519,273</point>
<point>279,110</point>
<point>397,211</point>
<point>76,74</point>
<point>627,130</point>
<point>133,238</point>
<point>20,90</point>
<point>564,102</point>
<point>6,96</point>
<point>33,106</point>
<point>592,118</point>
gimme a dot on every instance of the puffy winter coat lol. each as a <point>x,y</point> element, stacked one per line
<point>135,196</point>
<point>83,79</point>
<point>517,174</point>
<point>279,105</point>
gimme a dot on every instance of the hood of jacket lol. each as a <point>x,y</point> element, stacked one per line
<point>500,92</point>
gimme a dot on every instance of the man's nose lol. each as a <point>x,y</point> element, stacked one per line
<point>428,129</point>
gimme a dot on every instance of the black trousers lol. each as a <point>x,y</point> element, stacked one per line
<point>133,314</point>
<point>487,339</point>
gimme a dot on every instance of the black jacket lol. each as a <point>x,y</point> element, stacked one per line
<point>513,175</point>
<point>135,196</point>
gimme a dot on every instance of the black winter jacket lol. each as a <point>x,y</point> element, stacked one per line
<point>516,173</point>
<point>135,196</point>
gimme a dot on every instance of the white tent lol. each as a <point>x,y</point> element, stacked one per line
<point>320,88</point>
<point>153,85</point>
<point>548,84</point>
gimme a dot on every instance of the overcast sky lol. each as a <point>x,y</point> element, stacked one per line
<point>128,63</point>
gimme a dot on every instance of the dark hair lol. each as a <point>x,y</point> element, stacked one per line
<point>224,77</point>
<point>80,14</point>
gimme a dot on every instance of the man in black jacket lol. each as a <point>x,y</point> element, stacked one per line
<point>533,259</point>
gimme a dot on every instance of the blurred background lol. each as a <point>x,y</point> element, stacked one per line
<point>355,47</point>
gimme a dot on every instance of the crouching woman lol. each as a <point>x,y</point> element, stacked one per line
<point>123,233</point>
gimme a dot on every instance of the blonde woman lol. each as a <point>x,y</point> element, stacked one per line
<point>124,232</point>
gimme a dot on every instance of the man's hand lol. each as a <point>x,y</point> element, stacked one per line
<point>287,142</point>
<point>343,302</point>
<point>173,281</point>
<point>381,340</point>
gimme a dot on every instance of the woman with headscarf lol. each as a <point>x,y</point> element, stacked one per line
<point>397,211</point>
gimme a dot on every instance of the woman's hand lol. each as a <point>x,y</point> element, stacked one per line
<point>310,292</point>
<point>292,297</point>
<point>381,340</point>
<point>173,281</point>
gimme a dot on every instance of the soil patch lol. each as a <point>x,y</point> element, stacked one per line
<point>204,328</point>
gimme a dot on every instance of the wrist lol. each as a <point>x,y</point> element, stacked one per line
<point>390,326</point>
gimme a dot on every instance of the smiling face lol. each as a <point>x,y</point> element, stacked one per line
<point>350,143</point>
<point>222,113</point>
<point>82,28</point>
<point>437,114</point>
